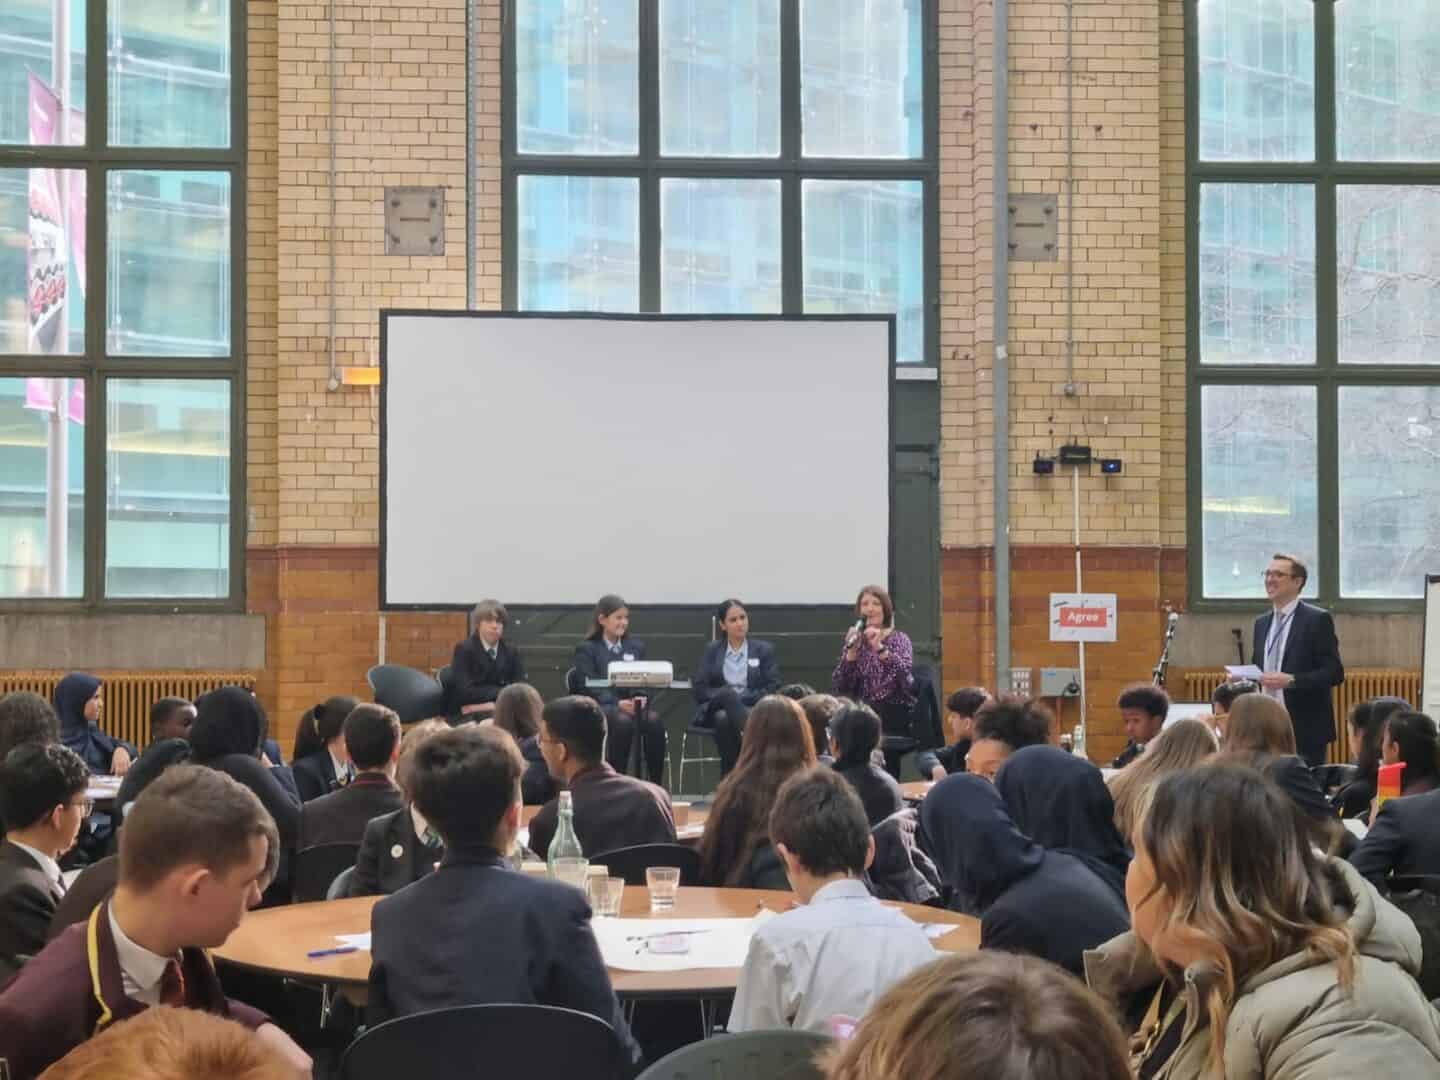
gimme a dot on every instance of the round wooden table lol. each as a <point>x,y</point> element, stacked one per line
<point>275,940</point>
<point>916,790</point>
<point>689,833</point>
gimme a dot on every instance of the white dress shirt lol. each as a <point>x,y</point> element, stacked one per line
<point>50,867</point>
<point>737,666</point>
<point>140,969</point>
<point>832,957</point>
<point>1275,642</point>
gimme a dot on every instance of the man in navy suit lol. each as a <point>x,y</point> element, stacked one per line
<point>476,931</point>
<point>1296,649</point>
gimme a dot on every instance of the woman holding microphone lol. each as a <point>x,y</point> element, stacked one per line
<point>875,666</point>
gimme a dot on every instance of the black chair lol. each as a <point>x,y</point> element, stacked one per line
<point>500,1041</point>
<point>1332,778</point>
<point>754,1055</point>
<point>923,728</point>
<point>317,867</point>
<point>412,694</point>
<point>631,863</point>
<point>340,888</point>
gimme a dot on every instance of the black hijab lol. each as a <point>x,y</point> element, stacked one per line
<point>72,694</point>
<point>976,846</point>
<point>227,721</point>
<point>1061,802</point>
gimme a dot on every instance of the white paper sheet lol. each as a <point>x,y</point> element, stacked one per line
<point>1244,671</point>
<point>719,943</point>
<point>1356,826</point>
<point>360,941</point>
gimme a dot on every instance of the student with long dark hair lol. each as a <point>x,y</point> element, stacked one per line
<point>1260,958</point>
<point>625,710</point>
<point>734,672</point>
<point>1367,726</point>
<point>854,736</point>
<point>1411,737</point>
<point>517,710</point>
<point>328,767</point>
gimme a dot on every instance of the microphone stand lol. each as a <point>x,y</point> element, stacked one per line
<point>1157,674</point>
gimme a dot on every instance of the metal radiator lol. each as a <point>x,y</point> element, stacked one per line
<point>128,695</point>
<point>1359,685</point>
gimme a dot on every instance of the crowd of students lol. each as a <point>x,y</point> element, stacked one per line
<point>1202,894</point>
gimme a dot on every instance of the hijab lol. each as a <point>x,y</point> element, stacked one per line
<point>72,694</point>
<point>1061,802</point>
<point>227,721</point>
<point>976,846</point>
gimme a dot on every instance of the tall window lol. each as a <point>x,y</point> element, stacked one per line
<point>1313,144</point>
<point>122,137</point>
<point>732,156</point>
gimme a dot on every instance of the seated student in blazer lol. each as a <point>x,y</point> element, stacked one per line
<point>328,768</point>
<point>612,810</point>
<point>372,741</point>
<point>625,710</point>
<point>477,931</point>
<point>484,663</point>
<point>735,671</point>
<point>517,710</point>
<point>42,795</point>
<point>960,710</point>
<point>196,851</point>
<point>401,846</point>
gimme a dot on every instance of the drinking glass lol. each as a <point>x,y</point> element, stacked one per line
<point>572,871</point>
<point>605,894</point>
<point>663,882</point>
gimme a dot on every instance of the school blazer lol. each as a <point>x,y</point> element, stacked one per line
<point>762,675</point>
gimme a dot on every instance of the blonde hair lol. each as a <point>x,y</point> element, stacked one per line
<point>984,1016</point>
<point>1258,724</point>
<point>418,733</point>
<point>1182,745</point>
<point>1244,888</point>
<point>172,1044</point>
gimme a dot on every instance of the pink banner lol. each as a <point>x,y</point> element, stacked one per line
<point>40,396</point>
<point>76,195</point>
<point>45,269</point>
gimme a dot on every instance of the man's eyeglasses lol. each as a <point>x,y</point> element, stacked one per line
<point>1266,575</point>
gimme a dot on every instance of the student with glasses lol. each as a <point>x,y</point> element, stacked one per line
<point>1296,649</point>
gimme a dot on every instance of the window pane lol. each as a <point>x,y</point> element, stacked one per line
<point>33,33</point>
<point>1387,75</point>
<point>1389,274</point>
<point>42,276</point>
<point>1257,483</point>
<point>1257,80</point>
<point>1257,274</point>
<point>720,245</point>
<point>167,488</point>
<point>168,267</point>
<point>1389,489</point>
<point>579,243</point>
<point>577,76</point>
<point>169,73</point>
<point>42,523</point>
<point>864,252</point>
<point>861,78</point>
<point>720,77</point>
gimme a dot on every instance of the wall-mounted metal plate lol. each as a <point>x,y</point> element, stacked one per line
<point>414,221</point>
<point>1034,228</point>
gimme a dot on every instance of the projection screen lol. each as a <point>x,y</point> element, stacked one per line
<point>547,459</point>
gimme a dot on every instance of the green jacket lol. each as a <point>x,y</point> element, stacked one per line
<point>1292,1021</point>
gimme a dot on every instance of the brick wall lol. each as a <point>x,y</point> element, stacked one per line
<point>312,452</point>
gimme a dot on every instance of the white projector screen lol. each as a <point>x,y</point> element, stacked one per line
<point>551,459</point>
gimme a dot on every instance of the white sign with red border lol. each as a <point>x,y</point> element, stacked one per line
<point>1082,616</point>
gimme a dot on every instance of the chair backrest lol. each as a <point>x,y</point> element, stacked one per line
<point>1332,778</point>
<point>317,867</point>
<point>928,718</point>
<point>631,863</point>
<point>340,888</point>
<point>413,694</point>
<point>95,883</point>
<point>487,1040</point>
<point>573,683</point>
<point>754,1055</point>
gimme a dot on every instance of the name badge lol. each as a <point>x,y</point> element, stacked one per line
<point>628,657</point>
<point>754,661</point>
<point>396,851</point>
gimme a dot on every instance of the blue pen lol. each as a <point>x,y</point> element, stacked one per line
<point>339,950</point>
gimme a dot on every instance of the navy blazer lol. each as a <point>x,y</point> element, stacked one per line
<point>1402,839</point>
<point>592,661</point>
<point>315,775</point>
<point>475,679</point>
<point>342,816</point>
<point>391,856</point>
<point>761,678</point>
<point>1312,656</point>
<point>477,932</point>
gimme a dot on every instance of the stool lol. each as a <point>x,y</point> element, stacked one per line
<point>700,733</point>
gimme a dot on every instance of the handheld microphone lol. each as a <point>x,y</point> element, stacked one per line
<point>855,631</point>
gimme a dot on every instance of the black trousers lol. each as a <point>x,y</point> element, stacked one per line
<point>725,714</point>
<point>621,736</point>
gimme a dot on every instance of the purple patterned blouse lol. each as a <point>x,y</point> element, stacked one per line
<point>878,678</point>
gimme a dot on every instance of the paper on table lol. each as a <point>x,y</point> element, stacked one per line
<point>360,941</point>
<point>1356,826</point>
<point>722,943</point>
<point>1244,671</point>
